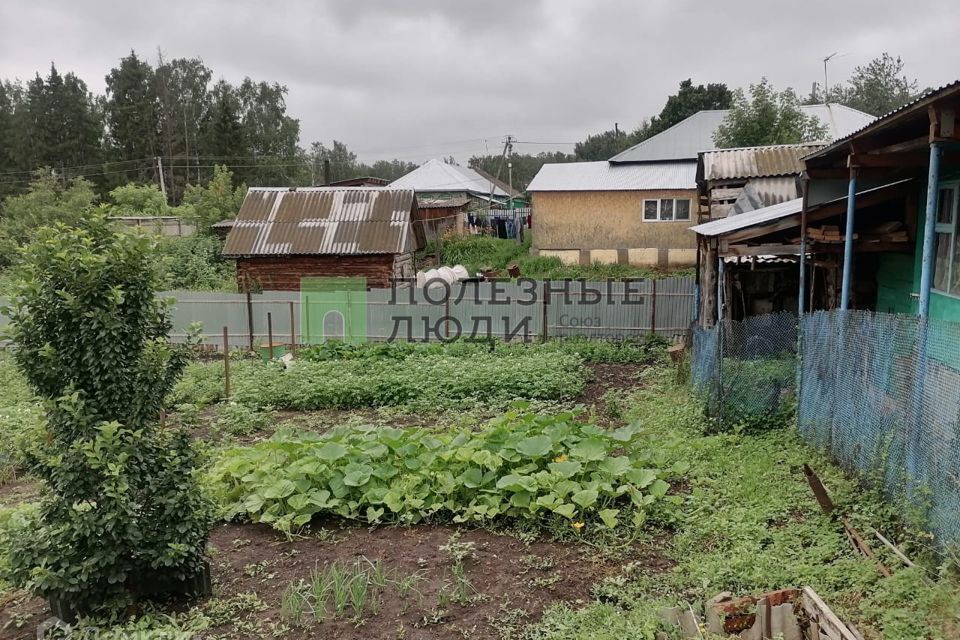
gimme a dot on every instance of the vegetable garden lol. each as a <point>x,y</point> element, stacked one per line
<point>571,489</point>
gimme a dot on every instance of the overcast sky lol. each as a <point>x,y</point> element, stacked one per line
<point>427,78</point>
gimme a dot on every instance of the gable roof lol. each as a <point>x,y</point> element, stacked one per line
<point>436,176</point>
<point>605,176</point>
<point>325,221</point>
<point>684,140</point>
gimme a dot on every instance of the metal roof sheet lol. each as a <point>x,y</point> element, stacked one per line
<point>325,220</point>
<point>771,213</point>
<point>438,176</point>
<point>749,219</point>
<point>687,138</point>
<point>605,176</point>
<point>933,94</point>
<point>754,162</point>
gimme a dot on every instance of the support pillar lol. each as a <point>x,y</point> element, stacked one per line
<point>929,228</point>
<point>848,242</point>
<point>801,302</point>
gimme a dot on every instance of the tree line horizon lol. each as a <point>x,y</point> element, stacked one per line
<point>175,110</point>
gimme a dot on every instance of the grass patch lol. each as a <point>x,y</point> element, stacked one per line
<point>748,524</point>
<point>486,252</point>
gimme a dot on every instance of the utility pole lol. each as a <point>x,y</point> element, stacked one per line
<point>163,186</point>
<point>326,173</point>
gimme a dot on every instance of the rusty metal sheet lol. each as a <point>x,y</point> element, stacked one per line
<point>325,221</point>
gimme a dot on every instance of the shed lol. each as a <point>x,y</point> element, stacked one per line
<point>282,235</point>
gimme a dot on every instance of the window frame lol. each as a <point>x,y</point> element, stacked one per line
<point>643,210</point>
<point>951,229</point>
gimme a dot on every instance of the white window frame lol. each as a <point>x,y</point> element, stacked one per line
<point>950,228</point>
<point>659,201</point>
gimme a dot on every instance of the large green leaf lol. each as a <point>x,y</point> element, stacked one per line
<point>585,498</point>
<point>331,451</point>
<point>565,469</point>
<point>279,489</point>
<point>614,467</point>
<point>535,446</point>
<point>590,449</point>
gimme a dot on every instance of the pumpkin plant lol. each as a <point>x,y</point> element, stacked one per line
<point>121,497</point>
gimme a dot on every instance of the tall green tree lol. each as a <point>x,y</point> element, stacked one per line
<point>880,86</point>
<point>182,88</point>
<point>688,100</point>
<point>767,117</point>
<point>604,145</point>
<point>133,116</point>
<point>217,200</point>
<point>222,135</point>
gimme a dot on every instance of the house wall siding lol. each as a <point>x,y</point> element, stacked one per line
<point>603,222</point>
<point>283,273</point>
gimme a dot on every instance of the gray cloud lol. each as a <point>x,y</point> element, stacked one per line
<point>425,78</point>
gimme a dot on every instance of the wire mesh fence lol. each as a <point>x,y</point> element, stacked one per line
<point>881,393</point>
<point>745,372</point>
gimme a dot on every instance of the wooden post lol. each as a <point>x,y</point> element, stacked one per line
<point>546,305</point>
<point>293,331</point>
<point>270,334</point>
<point>305,314</point>
<point>226,364</point>
<point>249,313</point>
<point>653,310</point>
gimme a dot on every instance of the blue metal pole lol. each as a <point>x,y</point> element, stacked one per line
<point>848,242</point>
<point>929,227</point>
<point>801,305</point>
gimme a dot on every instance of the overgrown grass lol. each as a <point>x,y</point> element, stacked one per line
<point>486,252</point>
<point>748,524</point>
<point>21,419</point>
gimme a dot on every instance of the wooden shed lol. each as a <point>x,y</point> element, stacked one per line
<point>282,235</point>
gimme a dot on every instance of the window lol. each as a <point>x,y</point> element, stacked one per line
<point>946,273</point>
<point>666,210</point>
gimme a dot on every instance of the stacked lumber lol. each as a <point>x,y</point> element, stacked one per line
<point>828,234</point>
<point>892,231</point>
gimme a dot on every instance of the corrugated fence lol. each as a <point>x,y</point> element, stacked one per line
<point>515,310</point>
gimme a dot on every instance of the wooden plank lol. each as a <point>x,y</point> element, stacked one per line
<point>761,250</point>
<point>826,620</point>
<point>726,194</point>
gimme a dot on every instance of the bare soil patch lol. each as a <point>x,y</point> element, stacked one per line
<point>511,582</point>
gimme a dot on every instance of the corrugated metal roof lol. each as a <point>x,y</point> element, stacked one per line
<point>325,220</point>
<point>744,220</point>
<point>933,94</point>
<point>771,213</point>
<point>605,176</point>
<point>435,176</point>
<point>687,138</point>
<point>754,162</point>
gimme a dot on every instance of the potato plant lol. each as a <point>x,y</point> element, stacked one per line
<point>430,381</point>
<point>549,469</point>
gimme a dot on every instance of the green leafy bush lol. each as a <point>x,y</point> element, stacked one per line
<point>193,262</point>
<point>420,381</point>
<point>201,383</point>
<point>548,469</point>
<point>240,420</point>
<point>120,495</point>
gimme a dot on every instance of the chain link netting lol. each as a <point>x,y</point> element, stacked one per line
<point>745,372</point>
<point>881,393</point>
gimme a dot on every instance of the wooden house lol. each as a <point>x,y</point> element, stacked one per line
<point>282,235</point>
<point>636,207</point>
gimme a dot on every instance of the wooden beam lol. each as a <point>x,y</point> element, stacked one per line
<point>759,250</point>
<point>890,159</point>
<point>820,213</point>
